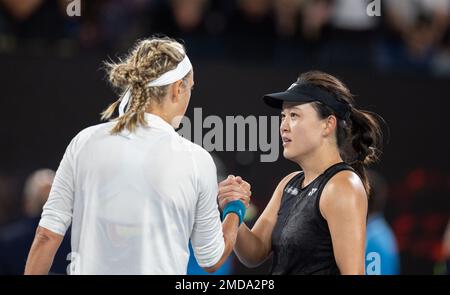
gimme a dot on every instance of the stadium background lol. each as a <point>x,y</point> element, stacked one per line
<point>398,65</point>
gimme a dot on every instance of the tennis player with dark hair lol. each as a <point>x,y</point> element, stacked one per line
<point>315,222</point>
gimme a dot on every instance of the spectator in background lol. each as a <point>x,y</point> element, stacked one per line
<point>188,15</point>
<point>16,238</point>
<point>316,15</point>
<point>353,31</point>
<point>199,23</point>
<point>416,28</point>
<point>302,27</point>
<point>351,15</point>
<point>178,17</point>
<point>251,31</point>
<point>36,190</point>
<point>35,26</point>
<point>287,17</point>
<point>380,238</point>
<point>113,24</point>
<point>287,28</point>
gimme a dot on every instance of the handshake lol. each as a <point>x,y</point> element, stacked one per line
<point>231,191</point>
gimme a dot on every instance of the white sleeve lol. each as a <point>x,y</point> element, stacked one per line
<point>57,211</point>
<point>207,236</point>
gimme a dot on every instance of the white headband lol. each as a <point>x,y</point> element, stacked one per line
<point>182,69</point>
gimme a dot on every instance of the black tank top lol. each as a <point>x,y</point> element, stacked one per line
<point>301,240</point>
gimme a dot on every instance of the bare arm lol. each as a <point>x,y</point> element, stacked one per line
<point>344,205</point>
<point>254,246</point>
<point>42,252</point>
<point>230,229</point>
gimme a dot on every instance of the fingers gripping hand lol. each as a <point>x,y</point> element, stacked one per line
<point>234,188</point>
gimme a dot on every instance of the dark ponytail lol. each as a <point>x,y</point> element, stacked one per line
<point>359,136</point>
<point>366,141</point>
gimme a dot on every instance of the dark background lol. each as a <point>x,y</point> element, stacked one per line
<point>49,92</point>
<point>46,101</point>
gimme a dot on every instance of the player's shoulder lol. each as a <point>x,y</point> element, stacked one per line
<point>202,155</point>
<point>191,147</point>
<point>85,134</point>
<point>283,183</point>
<point>345,188</point>
<point>93,128</point>
<point>345,181</point>
<point>190,151</point>
<point>288,178</point>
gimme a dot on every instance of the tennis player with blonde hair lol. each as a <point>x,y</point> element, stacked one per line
<point>134,190</point>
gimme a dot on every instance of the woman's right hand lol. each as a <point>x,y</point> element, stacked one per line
<point>234,188</point>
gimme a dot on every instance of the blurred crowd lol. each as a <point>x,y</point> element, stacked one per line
<point>408,36</point>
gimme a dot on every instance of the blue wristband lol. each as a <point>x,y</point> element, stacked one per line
<point>237,207</point>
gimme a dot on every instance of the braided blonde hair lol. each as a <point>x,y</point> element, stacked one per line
<point>148,60</point>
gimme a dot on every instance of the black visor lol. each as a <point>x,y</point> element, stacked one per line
<point>304,92</point>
